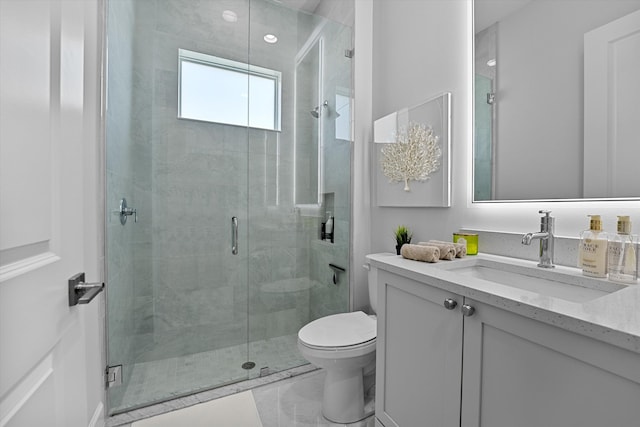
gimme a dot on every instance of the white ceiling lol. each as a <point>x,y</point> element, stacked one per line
<point>488,12</point>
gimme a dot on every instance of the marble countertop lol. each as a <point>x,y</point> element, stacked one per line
<point>613,317</point>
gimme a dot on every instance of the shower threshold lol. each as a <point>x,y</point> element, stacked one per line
<point>133,415</point>
<point>183,377</point>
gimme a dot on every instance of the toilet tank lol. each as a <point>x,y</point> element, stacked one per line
<point>373,286</point>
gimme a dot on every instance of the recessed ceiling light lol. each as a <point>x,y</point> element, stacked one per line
<point>230,16</point>
<point>270,38</point>
<point>491,63</point>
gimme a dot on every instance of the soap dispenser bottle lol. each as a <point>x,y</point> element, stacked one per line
<point>592,256</point>
<point>622,261</point>
<point>329,228</point>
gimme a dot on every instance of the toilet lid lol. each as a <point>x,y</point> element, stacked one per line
<point>339,330</point>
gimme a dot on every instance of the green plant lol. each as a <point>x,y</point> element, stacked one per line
<point>403,235</point>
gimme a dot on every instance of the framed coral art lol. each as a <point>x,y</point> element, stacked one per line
<point>411,160</point>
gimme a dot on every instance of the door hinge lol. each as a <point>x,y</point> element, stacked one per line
<point>113,375</point>
<point>349,53</point>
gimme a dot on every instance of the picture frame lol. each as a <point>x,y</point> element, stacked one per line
<point>435,191</point>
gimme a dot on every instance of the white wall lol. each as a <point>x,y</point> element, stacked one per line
<point>363,132</point>
<point>421,48</point>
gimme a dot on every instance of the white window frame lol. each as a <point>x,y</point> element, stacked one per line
<point>234,66</point>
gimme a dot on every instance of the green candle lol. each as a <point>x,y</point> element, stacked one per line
<point>470,239</point>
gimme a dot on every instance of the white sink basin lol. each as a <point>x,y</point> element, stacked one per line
<point>561,282</point>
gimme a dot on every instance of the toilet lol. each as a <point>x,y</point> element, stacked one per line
<point>343,345</point>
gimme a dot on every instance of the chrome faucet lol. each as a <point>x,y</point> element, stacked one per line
<point>546,240</point>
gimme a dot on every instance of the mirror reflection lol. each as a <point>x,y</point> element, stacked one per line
<point>555,99</point>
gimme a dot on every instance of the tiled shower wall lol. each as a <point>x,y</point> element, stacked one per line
<point>329,298</point>
<point>179,289</point>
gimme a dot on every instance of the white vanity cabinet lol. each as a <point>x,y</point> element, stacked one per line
<point>522,372</point>
<point>492,368</point>
<point>419,354</point>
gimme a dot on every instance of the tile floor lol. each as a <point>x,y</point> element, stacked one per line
<point>158,380</point>
<point>297,402</point>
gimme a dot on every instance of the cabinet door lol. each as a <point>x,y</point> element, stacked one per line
<point>419,355</point>
<point>520,372</point>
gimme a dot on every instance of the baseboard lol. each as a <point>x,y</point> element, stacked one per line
<point>98,416</point>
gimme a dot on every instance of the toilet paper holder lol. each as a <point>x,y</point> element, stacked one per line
<point>336,271</point>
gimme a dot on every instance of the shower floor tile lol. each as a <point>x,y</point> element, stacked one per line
<point>159,380</point>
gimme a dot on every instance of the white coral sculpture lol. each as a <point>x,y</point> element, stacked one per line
<point>414,156</point>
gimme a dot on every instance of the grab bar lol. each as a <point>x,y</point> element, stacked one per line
<point>234,235</point>
<point>336,268</point>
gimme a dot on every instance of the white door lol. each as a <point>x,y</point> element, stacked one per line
<point>50,372</point>
<point>611,93</point>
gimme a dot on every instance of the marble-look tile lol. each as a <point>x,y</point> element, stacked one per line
<point>288,402</point>
<point>159,378</point>
<point>297,402</point>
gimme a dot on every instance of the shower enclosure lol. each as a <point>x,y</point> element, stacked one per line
<point>217,185</point>
<point>484,109</point>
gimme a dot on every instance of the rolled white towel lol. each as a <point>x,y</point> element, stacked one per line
<point>461,248</point>
<point>447,250</point>
<point>420,253</point>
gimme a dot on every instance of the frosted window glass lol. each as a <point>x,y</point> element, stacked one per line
<point>262,103</point>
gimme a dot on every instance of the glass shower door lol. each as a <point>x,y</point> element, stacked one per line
<point>210,122</point>
<point>177,295</point>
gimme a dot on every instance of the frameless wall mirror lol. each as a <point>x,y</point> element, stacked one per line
<point>310,112</point>
<point>556,99</point>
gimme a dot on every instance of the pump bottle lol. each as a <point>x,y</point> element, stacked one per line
<point>622,261</point>
<point>592,257</point>
<point>329,227</point>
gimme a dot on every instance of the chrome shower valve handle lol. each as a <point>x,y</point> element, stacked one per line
<point>124,211</point>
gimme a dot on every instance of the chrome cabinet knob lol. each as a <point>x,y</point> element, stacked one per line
<point>450,304</point>
<point>468,310</point>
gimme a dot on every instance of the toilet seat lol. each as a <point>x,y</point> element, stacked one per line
<point>337,353</point>
<point>339,331</point>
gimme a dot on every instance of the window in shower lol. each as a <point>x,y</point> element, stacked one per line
<point>219,90</point>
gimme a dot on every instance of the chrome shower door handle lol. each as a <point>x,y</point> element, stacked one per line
<point>234,235</point>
